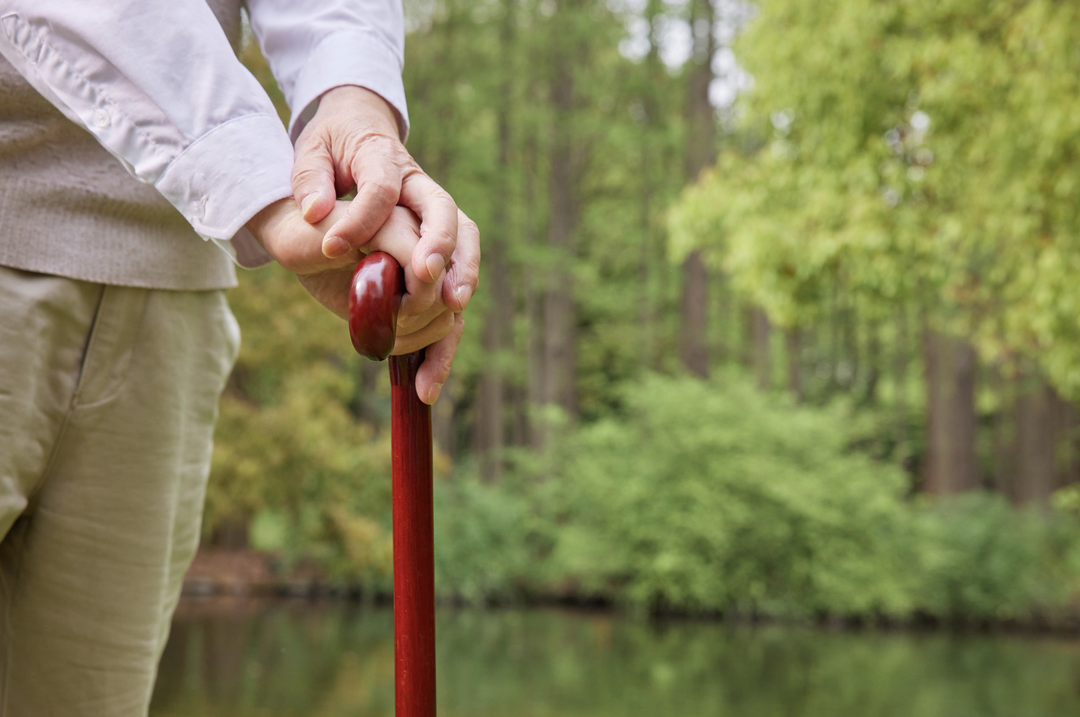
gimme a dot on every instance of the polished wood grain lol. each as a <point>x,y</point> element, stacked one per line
<point>374,300</point>
<point>414,562</point>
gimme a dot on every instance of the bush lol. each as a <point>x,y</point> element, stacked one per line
<point>710,496</point>
<point>984,559</point>
<point>713,496</point>
<point>697,496</point>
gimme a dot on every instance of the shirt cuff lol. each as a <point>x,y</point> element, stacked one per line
<point>355,58</point>
<point>246,250</point>
<point>226,176</point>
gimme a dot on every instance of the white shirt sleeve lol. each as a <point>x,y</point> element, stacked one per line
<point>159,87</point>
<point>313,47</point>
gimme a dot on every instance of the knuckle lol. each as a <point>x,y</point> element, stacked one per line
<point>468,271</point>
<point>443,196</point>
<point>309,140</point>
<point>467,225</point>
<point>442,238</point>
<point>381,191</point>
<point>304,174</point>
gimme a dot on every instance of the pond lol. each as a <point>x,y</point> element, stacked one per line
<point>325,659</point>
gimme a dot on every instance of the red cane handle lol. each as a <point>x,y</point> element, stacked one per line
<point>374,300</point>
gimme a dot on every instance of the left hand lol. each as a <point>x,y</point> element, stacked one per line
<point>352,141</point>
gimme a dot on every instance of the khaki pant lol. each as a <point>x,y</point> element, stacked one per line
<point>108,397</point>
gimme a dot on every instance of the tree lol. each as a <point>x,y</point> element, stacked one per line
<point>915,153</point>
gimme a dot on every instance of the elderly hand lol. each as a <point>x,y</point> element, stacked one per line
<point>424,318</point>
<point>352,141</point>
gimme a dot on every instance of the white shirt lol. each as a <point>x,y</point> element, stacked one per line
<point>158,85</point>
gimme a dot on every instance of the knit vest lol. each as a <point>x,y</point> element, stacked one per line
<point>69,208</point>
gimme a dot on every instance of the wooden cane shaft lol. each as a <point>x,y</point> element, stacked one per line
<point>414,562</point>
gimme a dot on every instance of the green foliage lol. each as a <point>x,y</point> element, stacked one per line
<point>481,80</point>
<point>483,536</point>
<point>982,558</point>
<point>905,159</point>
<point>714,496</point>
<point>693,495</point>
<point>917,152</point>
<point>711,496</point>
<point>289,452</point>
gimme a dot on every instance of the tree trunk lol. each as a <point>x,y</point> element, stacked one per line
<point>648,266</point>
<point>489,422</point>
<point>693,346</point>
<point>700,153</point>
<point>793,341</point>
<point>534,349</point>
<point>652,254</point>
<point>900,383</point>
<point>836,359</point>
<point>873,365</point>
<point>851,345</point>
<point>700,116</point>
<point>559,335</point>
<point>1035,476</point>
<point>725,350</point>
<point>951,464</point>
<point>1003,450</point>
<point>1068,456</point>
<point>559,324</point>
<point>760,337</point>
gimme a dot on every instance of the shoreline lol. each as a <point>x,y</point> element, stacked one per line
<point>235,578</point>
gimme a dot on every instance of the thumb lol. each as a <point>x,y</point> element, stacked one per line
<point>313,181</point>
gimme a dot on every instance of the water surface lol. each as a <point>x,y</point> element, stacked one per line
<point>285,659</point>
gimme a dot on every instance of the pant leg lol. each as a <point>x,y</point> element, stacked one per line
<point>91,570</point>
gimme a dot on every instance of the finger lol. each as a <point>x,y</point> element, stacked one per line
<point>398,237</point>
<point>295,244</point>
<point>412,324</point>
<point>377,190</point>
<point>433,373</point>
<point>463,276</point>
<point>313,177</point>
<point>435,331</point>
<point>419,297</point>
<point>439,224</point>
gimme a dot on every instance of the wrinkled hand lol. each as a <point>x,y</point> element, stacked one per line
<point>352,141</point>
<point>424,318</point>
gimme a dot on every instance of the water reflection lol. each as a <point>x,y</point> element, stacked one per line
<point>332,660</point>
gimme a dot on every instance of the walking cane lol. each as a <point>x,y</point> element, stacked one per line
<point>374,299</point>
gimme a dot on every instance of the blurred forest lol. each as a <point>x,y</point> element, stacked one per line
<point>775,316</point>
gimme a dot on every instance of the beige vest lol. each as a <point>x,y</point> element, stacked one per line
<point>69,208</point>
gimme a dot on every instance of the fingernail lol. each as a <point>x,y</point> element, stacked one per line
<point>333,247</point>
<point>307,204</point>
<point>433,393</point>
<point>435,265</point>
<point>463,294</point>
